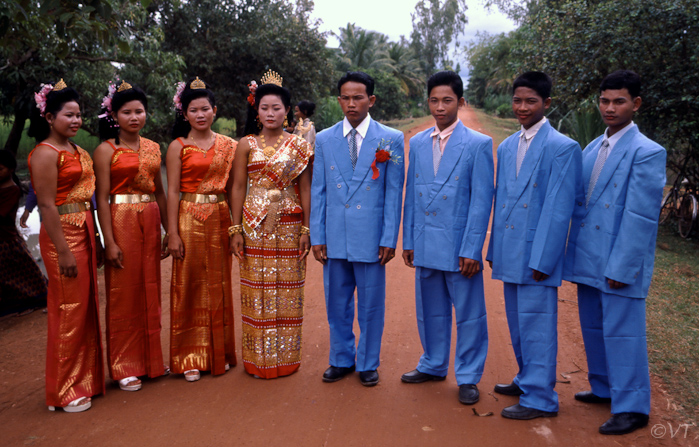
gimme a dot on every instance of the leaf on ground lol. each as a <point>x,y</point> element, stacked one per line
<point>562,381</point>
<point>427,428</point>
<point>490,413</point>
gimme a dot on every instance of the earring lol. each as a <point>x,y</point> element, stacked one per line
<point>259,124</point>
<point>286,122</point>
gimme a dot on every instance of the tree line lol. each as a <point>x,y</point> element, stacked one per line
<point>154,44</point>
<point>578,42</point>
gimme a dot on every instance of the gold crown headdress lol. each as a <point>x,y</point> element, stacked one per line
<point>124,86</point>
<point>271,77</point>
<point>197,84</point>
<point>60,85</point>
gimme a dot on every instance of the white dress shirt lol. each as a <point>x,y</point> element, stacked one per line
<point>362,129</point>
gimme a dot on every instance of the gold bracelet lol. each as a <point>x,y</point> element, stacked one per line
<point>304,230</point>
<point>235,229</point>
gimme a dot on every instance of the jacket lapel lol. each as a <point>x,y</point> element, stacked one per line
<point>340,151</point>
<point>426,167</point>
<point>613,160</point>
<point>452,153</point>
<point>530,162</point>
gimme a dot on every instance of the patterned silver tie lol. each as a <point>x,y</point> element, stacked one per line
<point>353,147</point>
<point>597,169</point>
<point>521,152</point>
<point>436,154</point>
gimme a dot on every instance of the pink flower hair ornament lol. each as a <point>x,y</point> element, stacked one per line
<point>107,100</point>
<point>177,99</point>
<point>252,86</point>
<point>40,98</point>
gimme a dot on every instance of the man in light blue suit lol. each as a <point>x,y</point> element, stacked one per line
<point>448,199</point>
<point>538,174</point>
<point>357,192</point>
<point>610,254</point>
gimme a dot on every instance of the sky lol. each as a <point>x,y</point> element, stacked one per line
<point>392,17</point>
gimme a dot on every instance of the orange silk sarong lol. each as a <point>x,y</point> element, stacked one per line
<point>133,293</point>
<point>74,366</point>
<point>201,293</point>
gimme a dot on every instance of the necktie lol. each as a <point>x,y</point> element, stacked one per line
<point>521,151</point>
<point>436,154</point>
<point>353,147</point>
<point>597,169</point>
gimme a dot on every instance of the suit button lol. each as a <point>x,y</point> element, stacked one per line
<point>339,186</point>
<point>512,227</point>
<point>535,185</point>
<point>582,224</point>
<point>347,205</point>
<point>579,203</point>
<point>434,213</point>
<point>420,194</point>
<point>368,188</point>
<point>427,213</point>
<point>456,178</point>
<point>525,205</point>
<point>615,185</point>
<point>444,197</point>
<point>359,207</point>
<point>507,226</point>
<point>597,226</point>
<point>332,168</point>
<point>417,175</point>
<point>606,205</point>
<point>503,206</point>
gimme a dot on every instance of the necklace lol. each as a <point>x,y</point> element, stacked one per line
<point>270,150</point>
<point>211,141</point>
<point>139,144</point>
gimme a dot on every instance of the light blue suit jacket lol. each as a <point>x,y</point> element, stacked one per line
<point>446,216</point>
<point>532,211</point>
<point>352,214</point>
<point>614,236</point>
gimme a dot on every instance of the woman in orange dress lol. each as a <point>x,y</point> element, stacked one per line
<point>64,182</point>
<point>271,237</point>
<point>201,296</point>
<point>128,175</point>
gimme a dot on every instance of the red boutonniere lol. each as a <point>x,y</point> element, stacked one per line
<point>382,155</point>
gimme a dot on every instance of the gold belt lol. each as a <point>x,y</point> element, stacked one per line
<point>132,198</point>
<point>69,208</point>
<point>203,198</point>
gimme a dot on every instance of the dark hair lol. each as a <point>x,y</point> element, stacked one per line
<point>357,76</point>
<point>538,81</point>
<point>182,127</point>
<point>8,160</point>
<point>108,127</point>
<point>251,126</point>
<point>448,78</point>
<point>39,128</point>
<point>622,79</point>
<point>306,107</point>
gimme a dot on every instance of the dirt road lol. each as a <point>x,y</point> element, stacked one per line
<point>236,409</point>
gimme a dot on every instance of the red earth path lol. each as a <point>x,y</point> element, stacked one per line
<point>238,410</point>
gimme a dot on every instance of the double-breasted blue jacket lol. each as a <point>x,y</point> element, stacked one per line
<point>446,216</point>
<point>614,236</point>
<point>351,213</point>
<point>532,210</point>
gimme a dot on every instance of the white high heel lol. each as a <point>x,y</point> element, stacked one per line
<point>78,405</point>
<point>127,384</point>
<point>192,375</point>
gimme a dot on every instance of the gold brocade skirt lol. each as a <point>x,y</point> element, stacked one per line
<point>74,365</point>
<point>133,293</point>
<point>271,291</point>
<point>201,295</point>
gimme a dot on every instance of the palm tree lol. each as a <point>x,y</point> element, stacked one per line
<point>362,49</point>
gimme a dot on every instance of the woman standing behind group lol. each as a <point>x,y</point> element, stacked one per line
<point>303,111</point>
<point>198,166</point>
<point>64,182</point>
<point>271,236</point>
<point>128,172</point>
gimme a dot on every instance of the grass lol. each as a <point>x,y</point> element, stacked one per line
<point>407,123</point>
<point>673,320</point>
<point>500,128</point>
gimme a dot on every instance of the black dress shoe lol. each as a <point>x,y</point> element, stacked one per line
<point>623,423</point>
<point>369,378</point>
<point>510,389</point>
<point>524,413</point>
<point>468,394</point>
<point>335,373</point>
<point>416,376</point>
<point>589,398</point>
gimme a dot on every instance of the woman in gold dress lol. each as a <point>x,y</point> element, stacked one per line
<point>270,232</point>
<point>199,189</point>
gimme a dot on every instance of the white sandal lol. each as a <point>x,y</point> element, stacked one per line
<point>192,375</point>
<point>128,383</point>
<point>78,405</point>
